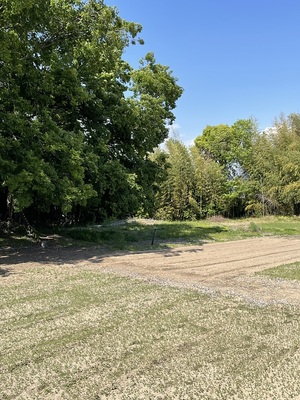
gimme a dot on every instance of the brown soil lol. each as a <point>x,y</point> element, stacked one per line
<point>226,268</point>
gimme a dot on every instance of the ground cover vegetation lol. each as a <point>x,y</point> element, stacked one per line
<point>141,235</point>
<point>80,129</point>
<point>144,234</point>
<point>69,333</point>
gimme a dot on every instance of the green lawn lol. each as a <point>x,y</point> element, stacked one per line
<point>68,333</point>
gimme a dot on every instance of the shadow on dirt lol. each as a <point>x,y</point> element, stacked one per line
<point>59,255</point>
<point>4,272</point>
<point>130,238</point>
<point>72,255</point>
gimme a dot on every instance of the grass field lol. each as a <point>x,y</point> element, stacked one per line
<point>68,333</point>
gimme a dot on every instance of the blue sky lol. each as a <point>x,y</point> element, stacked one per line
<point>234,59</point>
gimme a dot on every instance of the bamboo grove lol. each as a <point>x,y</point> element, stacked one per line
<point>233,171</point>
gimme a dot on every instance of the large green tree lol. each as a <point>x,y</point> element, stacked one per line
<point>230,146</point>
<point>71,134</point>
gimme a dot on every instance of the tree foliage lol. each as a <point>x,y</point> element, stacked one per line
<point>77,123</point>
<point>175,199</point>
<point>193,186</point>
<point>230,146</point>
<point>275,168</point>
<point>234,171</point>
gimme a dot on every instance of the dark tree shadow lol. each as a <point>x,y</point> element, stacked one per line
<point>179,234</point>
<point>72,255</point>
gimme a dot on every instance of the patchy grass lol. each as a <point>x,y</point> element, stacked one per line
<point>280,225</point>
<point>68,333</point>
<point>286,271</point>
<point>138,234</point>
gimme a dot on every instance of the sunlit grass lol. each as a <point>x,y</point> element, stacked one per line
<point>141,234</point>
<point>137,235</point>
<point>286,271</point>
<point>67,333</point>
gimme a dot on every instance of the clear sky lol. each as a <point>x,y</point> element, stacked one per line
<point>235,59</point>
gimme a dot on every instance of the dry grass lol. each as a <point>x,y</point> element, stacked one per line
<point>68,333</point>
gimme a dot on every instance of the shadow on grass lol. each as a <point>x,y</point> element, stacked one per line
<point>93,244</point>
<point>186,232</point>
<point>120,237</point>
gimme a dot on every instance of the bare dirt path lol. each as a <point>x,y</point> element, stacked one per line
<point>226,268</point>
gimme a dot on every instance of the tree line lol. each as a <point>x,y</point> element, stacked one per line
<point>233,171</point>
<point>80,129</point>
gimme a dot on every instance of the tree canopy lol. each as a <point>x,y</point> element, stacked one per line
<point>77,122</point>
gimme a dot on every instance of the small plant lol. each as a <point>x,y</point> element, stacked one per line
<point>253,227</point>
